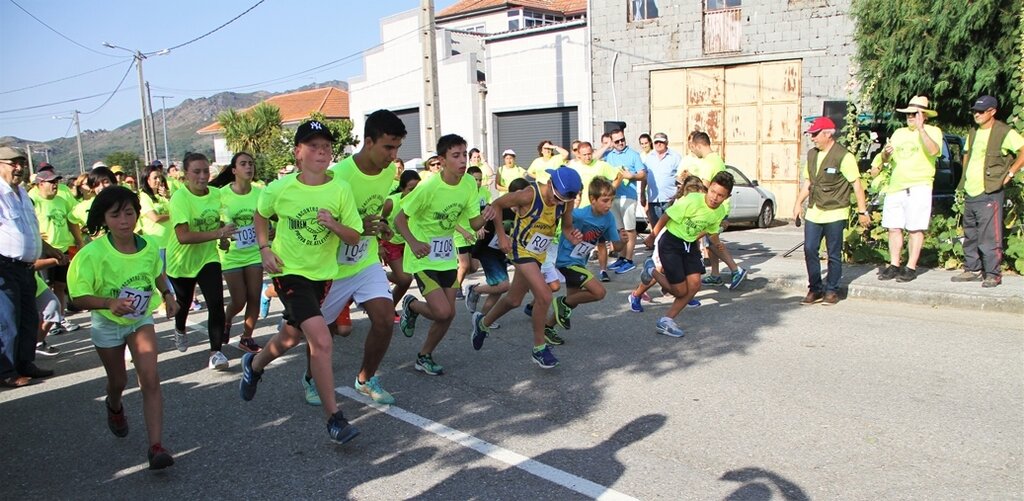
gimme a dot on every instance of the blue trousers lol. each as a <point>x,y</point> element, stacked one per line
<point>833,235</point>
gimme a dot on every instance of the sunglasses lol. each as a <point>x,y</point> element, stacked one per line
<point>53,181</point>
<point>619,141</point>
<point>976,112</point>
<point>815,133</point>
<point>16,161</point>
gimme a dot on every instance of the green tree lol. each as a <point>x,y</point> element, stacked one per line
<point>128,160</point>
<point>341,129</point>
<point>256,131</point>
<point>951,51</point>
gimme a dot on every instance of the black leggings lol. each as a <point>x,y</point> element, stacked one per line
<point>209,280</point>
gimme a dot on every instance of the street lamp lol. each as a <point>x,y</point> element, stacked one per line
<point>148,152</point>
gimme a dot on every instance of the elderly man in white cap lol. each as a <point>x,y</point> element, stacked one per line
<point>909,159</point>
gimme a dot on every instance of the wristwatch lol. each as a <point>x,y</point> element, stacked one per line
<point>864,213</point>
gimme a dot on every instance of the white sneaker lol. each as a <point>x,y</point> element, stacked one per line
<point>69,326</point>
<point>180,341</point>
<point>668,327</point>
<point>218,361</point>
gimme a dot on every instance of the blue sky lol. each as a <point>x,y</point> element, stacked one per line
<point>271,43</point>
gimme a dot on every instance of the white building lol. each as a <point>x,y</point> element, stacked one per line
<point>510,74</point>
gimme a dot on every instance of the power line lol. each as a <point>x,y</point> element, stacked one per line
<point>65,37</point>
<point>116,89</point>
<point>71,100</point>
<point>60,79</point>
<point>208,33</point>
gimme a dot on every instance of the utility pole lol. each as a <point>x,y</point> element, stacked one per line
<point>163,114</point>
<point>428,40</point>
<point>78,139</point>
<point>148,154</point>
<point>152,123</point>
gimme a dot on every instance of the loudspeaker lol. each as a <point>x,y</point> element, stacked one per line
<point>609,126</point>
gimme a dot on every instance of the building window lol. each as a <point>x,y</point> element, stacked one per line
<point>518,19</point>
<point>474,29</point>
<point>723,23</point>
<point>643,9</point>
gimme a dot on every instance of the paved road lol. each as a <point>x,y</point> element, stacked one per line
<point>763,399</point>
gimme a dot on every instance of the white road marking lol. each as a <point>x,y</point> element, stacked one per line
<point>549,473</point>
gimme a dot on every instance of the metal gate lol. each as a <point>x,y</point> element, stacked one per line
<point>412,146</point>
<point>523,130</point>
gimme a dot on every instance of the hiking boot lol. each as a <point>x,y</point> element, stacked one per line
<point>992,281</point>
<point>831,297</point>
<point>812,297</point>
<point>967,276</point>
<point>888,273</point>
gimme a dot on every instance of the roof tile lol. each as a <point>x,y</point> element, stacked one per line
<point>296,106</point>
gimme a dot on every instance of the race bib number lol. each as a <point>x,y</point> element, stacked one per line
<point>441,249</point>
<point>352,254</point>
<point>582,250</point>
<point>494,243</point>
<point>539,244</point>
<point>245,237</point>
<point>139,299</point>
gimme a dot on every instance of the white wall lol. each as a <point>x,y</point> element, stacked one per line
<point>221,153</point>
<point>542,70</point>
<point>495,22</point>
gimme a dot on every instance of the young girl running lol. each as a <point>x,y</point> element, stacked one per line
<point>239,258</point>
<point>538,212</point>
<point>117,277</point>
<point>392,249</point>
<point>192,254</point>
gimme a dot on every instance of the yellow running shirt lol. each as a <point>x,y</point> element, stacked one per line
<point>101,270</point>
<point>369,199</point>
<point>306,247</point>
<point>239,210</point>
<point>433,209</point>
<point>589,172</point>
<point>690,216</point>
<point>535,231</point>
<point>200,213</point>
<point>159,232</point>
<point>53,222</point>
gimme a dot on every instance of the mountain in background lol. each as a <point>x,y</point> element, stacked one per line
<point>183,121</point>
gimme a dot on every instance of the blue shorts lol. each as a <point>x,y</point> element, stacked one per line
<point>494,264</point>
<point>106,333</point>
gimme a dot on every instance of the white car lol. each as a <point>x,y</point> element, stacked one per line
<point>750,203</point>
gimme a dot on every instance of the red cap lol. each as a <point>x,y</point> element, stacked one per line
<point>821,123</point>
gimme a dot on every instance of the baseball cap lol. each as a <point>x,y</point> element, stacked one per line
<point>157,163</point>
<point>821,123</point>
<point>117,169</point>
<point>47,175</point>
<point>509,151</point>
<point>660,138</point>
<point>98,164</point>
<point>984,103</point>
<point>44,166</point>
<point>9,153</point>
<point>311,129</point>
<point>566,181</point>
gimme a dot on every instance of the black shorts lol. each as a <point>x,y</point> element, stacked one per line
<point>679,258</point>
<point>575,276</point>
<point>525,260</point>
<point>57,274</point>
<point>465,249</point>
<point>301,297</point>
<point>432,280</point>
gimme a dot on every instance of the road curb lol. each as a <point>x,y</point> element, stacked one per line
<point>1009,304</point>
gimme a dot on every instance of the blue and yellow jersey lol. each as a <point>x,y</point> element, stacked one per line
<point>533,232</point>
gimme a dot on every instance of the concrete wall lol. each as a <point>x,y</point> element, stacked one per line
<point>815,31</point>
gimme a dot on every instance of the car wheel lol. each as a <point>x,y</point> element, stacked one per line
<point>767,215</point>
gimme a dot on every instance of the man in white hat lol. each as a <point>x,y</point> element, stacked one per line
<point>909,159</point>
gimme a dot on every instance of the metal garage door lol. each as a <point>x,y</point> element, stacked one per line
<point>522,130</point>
<point>412,147</point>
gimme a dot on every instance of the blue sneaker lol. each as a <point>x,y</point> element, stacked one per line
<point>626,267</point>
<point>408,320</point>
<point>528,309</point>
<point>309,391</point>
<point>264,302</point>
<point>693,303</point>
<point>634,303</point>
<point>618,262</point>
<point>668,327</point>
<point>472,298</point>
<point>545,358</point>
<point>603,275</point>
<point>479,332</point>
<point>737,277</point>
<point>647,273</point>
<point>712,280</point>
<point>339,429</point>
<point>250,378</point>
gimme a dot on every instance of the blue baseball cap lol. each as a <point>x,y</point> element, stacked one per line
<point>566,181</point>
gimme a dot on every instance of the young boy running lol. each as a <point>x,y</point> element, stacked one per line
<point>595,224</point>
<point>538,211</point>
<point>685,222</point>
<point>493,260</point>
<point>316,212</point>
<point>427,222</point>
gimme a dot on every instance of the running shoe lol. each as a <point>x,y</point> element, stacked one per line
<point>426,364</point>
<point>562,313</point>
<point>694,303</point>
<point>264,302</point>
<point>56,330</point>
<point>634,303</point>
<point>618,262</point>
<point>116,421</point>
<point>408,321</point>
<point>545,358</point>
<point>668,327</point>
<point>69,326</point>
<point>309,390</point>
<point>737,277</point>
<point>495,325</point>
<point>626,267</point>
<point>459,294</point>
<point>647,273</point>
<point>250,378</point>
<point>603,276</point>
<point>44,349</point>
<point>889,272</point>
<point>472,298</point>
<point>180,340</point>
<point>159,458</point>
<point>248,345</point>
<point>551,337</point>
<point>196,305</point>
<point>374,390</point>
<point>712,280</point>
<point>479,332</point>
<point>339,429</point>
<point>218,361</point>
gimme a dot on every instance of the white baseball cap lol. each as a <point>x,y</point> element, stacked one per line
<point>508,152</point>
